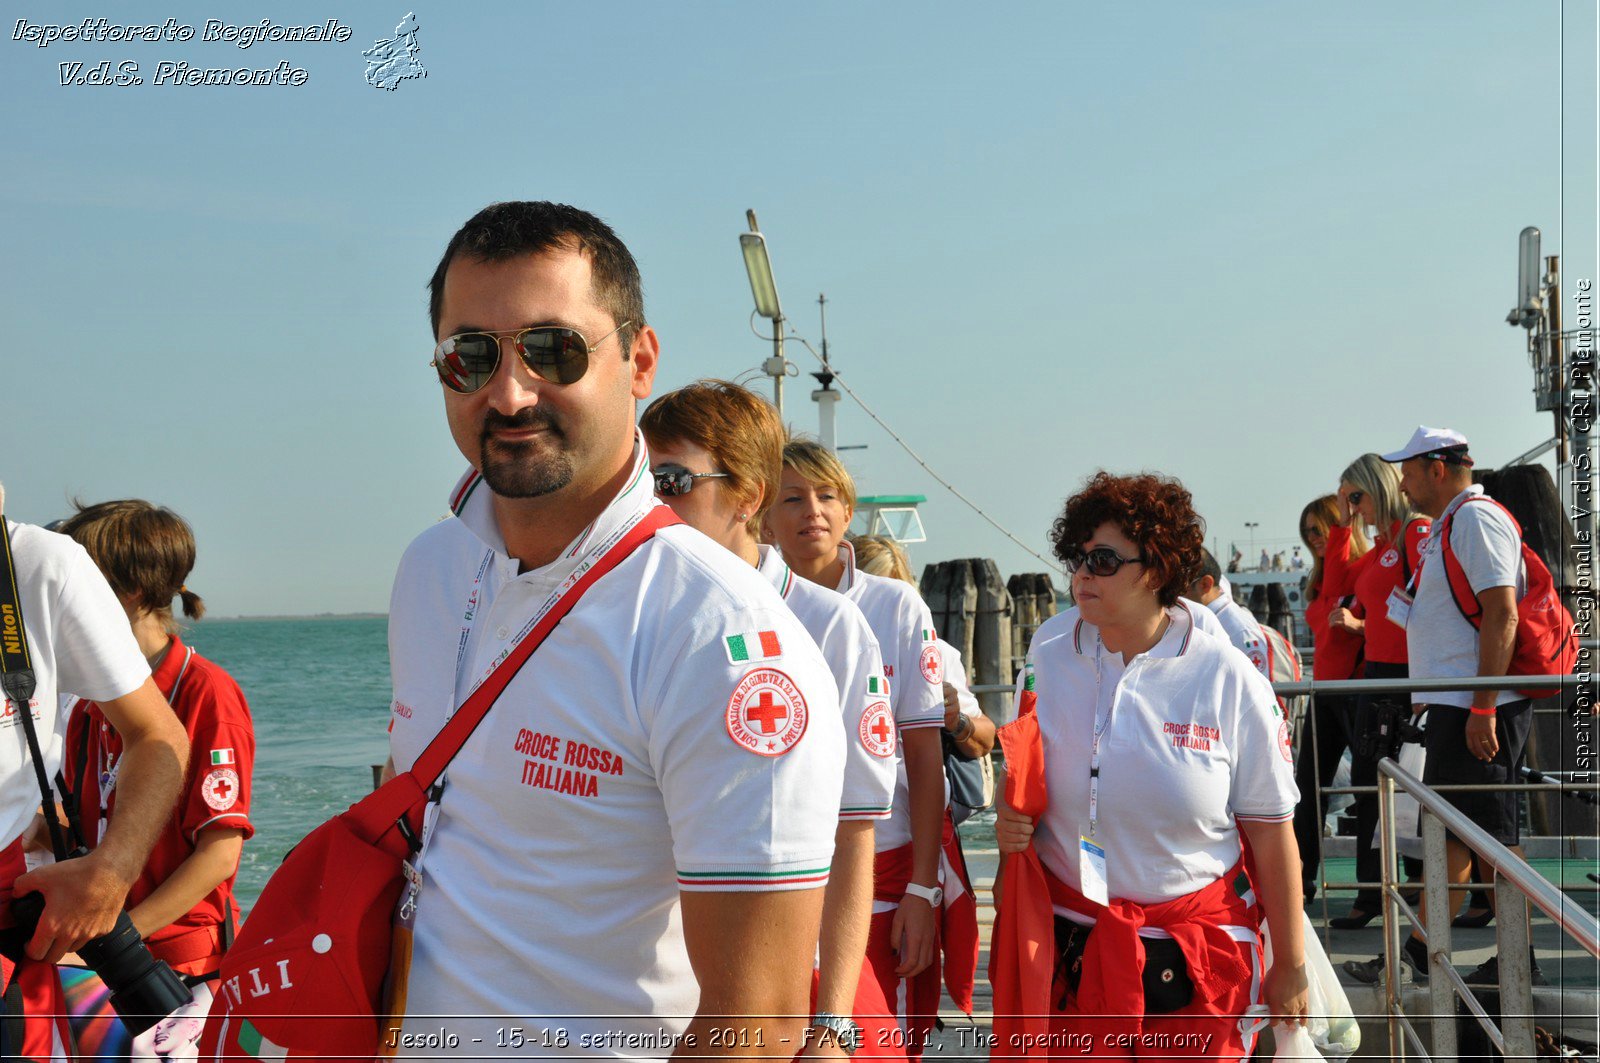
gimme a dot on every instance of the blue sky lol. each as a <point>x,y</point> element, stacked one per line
<point>1241,243</point>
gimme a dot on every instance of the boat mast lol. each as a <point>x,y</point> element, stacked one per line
<point>825,397</point>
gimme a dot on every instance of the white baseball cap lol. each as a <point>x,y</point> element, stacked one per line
<point>1443,444</point>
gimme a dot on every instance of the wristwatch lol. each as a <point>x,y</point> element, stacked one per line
<point>846,1034</point>
<point>932,894</point>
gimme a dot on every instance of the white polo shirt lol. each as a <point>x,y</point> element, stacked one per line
<point>904,629</point>
<point>679,730</point>
<point>1243,630</point>
<point>851,650</point>
<point>1440,642</point>
<point>1192,741</point>
<point>80,643</point>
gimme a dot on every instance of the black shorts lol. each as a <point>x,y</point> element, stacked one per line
<point>1450,762</point>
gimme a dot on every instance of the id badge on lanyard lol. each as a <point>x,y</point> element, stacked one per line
<point>1091,851</point>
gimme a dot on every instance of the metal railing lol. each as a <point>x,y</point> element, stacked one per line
<point>1515,885</point>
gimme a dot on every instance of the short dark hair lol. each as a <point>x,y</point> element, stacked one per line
<point>1156,512</point>
<point>1208,567</point>
<point>503,231</point>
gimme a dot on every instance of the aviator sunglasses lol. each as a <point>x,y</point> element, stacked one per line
<point>1101,561</point>
<point>468,360</point>
<point>674,480</point>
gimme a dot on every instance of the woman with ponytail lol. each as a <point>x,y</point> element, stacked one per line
<point>182,904</point>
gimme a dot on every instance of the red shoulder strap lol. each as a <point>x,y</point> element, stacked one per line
<point>448,742</point>
<point>1455,575</point>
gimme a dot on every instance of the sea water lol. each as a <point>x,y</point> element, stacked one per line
<point>319,696</point>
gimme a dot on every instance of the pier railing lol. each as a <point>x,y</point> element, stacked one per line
<point>1516,885</point>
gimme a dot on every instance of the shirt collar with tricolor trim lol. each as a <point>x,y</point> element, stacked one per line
<point>847,554</point>
<point>775,569</point>
<point>165,675</point>
<point>471,500</point>
<point>1174,642</point>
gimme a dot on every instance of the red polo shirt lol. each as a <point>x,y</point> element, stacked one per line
<point>216,789</point>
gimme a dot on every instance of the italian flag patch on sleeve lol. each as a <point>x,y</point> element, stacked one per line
<point>221,756</point>
<point>753,646</point>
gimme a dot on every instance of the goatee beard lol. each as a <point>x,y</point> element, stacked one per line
<point>527,469</point>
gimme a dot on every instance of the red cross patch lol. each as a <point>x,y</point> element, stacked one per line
<point>877,730</point>
<point>1285,746</point>
<point>221,788</point>
<point>767,713</point>
<point>932,664</point>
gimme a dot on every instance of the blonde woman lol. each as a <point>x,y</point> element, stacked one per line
<point>808,522</point>
<point>1370,495</point>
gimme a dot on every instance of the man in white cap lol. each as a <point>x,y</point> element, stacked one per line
<point>1477,736</point>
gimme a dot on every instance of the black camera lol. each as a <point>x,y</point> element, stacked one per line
<point>144,990</point>
<point>1389,725</point>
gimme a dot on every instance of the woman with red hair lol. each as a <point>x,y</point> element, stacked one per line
<point>1146,753</point>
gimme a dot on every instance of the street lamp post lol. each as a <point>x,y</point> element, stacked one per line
<point>758,266</point>
<point>1252,525</point>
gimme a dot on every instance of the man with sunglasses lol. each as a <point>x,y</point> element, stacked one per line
<point>637,836</point>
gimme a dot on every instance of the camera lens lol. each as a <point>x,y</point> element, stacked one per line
<point>144,990</point>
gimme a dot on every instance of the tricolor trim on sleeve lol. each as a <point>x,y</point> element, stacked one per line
<point>865,812</point>
<point>735,880</point>
<point>918,725</point>
<point>1273,817</point>
<point>216,819</point>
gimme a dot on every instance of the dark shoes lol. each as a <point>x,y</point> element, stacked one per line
<point>1474,918</point>
<point>1354,921</point>
<point>1413,953</point>
<point>1487,974</point>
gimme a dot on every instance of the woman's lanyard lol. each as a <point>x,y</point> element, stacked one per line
<point>110,764</point>
<point>1102,726</point>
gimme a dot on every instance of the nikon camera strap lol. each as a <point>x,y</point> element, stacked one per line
<point>17,679</point>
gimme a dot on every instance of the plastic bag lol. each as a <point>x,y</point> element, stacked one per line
<point>1407,813</point>
<point>1293,1042</point>
<point>1331,1022</point>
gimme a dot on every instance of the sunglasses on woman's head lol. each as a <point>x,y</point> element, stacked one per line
<point>1101,561</point>
<point>468,360</point>
<point>672,480</point>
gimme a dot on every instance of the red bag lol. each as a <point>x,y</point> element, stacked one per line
<point>305,978</point>
<point>1546,640</point>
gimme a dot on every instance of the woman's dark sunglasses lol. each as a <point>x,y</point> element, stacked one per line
<point>1101,561</point>
<point>1356,497</point>
<point>468,360</point>
<point>676,480</point>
